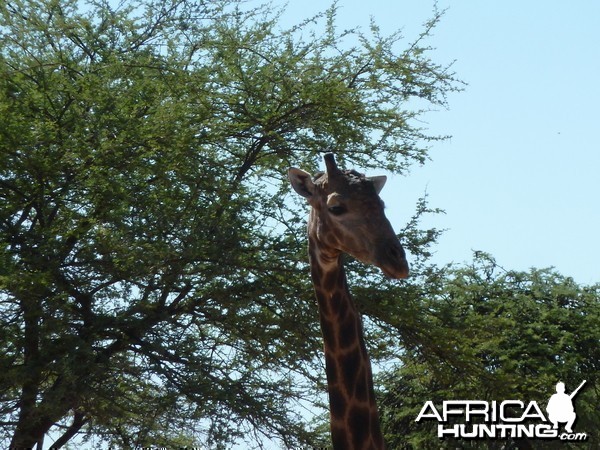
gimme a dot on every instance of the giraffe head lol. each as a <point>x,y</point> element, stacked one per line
<point>348,216</point>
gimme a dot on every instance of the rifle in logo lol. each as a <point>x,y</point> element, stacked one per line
<point>574,393</point>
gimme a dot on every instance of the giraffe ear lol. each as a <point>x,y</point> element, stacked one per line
<point>378,182</point>
<point>301,182</point>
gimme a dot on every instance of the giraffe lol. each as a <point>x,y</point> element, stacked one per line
<point>347,216</point>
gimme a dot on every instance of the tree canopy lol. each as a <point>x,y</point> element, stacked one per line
<point>153,286</point>
<point>484,332</point>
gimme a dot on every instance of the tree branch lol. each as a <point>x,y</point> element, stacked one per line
<point>79,420</point>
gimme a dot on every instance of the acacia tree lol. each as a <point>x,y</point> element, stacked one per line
<point>153,289</point>
<point>483,332</point>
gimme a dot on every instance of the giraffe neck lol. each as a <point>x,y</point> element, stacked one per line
<point>354,417</point>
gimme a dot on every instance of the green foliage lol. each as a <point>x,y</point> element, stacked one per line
<point>153,286</point>
<point>481,332</point>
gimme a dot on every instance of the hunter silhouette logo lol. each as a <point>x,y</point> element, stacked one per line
<point>482,419</point>
<point>560,407</point>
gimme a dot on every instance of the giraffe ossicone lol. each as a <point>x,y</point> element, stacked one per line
<point>347,216</point>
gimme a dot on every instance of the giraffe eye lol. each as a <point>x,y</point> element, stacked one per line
<point>337,210</point>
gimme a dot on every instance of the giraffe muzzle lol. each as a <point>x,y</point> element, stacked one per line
<point>392,261</point>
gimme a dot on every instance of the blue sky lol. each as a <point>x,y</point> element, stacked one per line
<point>520,176</point>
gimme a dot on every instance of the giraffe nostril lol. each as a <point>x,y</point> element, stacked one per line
<point>396,251</point>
